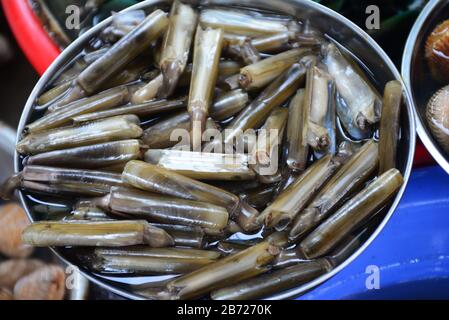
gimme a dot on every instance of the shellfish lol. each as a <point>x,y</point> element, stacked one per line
<point>437,114</point>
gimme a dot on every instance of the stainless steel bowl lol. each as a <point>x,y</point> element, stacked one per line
<point>369,54</point>
<point>416,74</point>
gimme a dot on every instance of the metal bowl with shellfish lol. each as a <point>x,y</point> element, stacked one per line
<point>425,69</point>
<point>214,149</point>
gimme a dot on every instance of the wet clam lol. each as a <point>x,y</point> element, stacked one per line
<point>437,52</point>
<point>12,270</point>
<point>437,114</point>
<point>13,221</point>
<point>46,283</point>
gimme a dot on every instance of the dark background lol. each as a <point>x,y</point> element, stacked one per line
<point>17,78</point>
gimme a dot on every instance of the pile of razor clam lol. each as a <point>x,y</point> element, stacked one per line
<point>144,204</point>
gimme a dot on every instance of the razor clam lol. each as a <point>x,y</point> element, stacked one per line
<point>144,251</point>
<point>123,52</point>
<point>247,218</point>
<point>164,209</point>
<point>202,166</point>
<point>225,69</point>
<point>274,95</point>
<point>243,51</point>
<point>248,53</point>
<point>232,39</point>
<point>86,59</point>
<point>270,43</point>
<point>317,136</point>
<point>99,72</point>
<point>206,56</point>
<point>265,152</point>
<point>156,179</point>
<point>74,68</point>
<point>134,71</point>
<point>176,46</point>
<point>363,205</point>
<point>288,258</point>
<point>277,238</point>
<point>62,189</point>
<point>61,181</point>
<point>55,92</point>
<point>281,212</point>
<point>231,82</point>
<point>349,178</point>
<point>350,244</point>
<point>389,125</point>
<point>122,24</point>
<point>241,23</point>
<point>259,197</point>
<point>172,131</point>
<point>184,236</point>
<point>288,177</point>
<point>73,93</point>
<point>317,101</point>
<point>232,228</point>
<point>227,271</point>
<point>150,261</point>
<point>105,130</point>
<point>102,101</point>
<point>145,109</point>
<point>162,134</point>
<point>276,281</point>
<point>330,124</point>
<point>88,213</point>
<point>304,34</point>
<point>229,247</point>
<point>142,265</point>
<point>346,150</point>
<point>104,233</point>
<point>53,211</point>
<point>360,106</point>
<point>228,104</point>
<point>90,157</point>
<point>261,73</point>
<point>297,127</point>
<point>149,91</point>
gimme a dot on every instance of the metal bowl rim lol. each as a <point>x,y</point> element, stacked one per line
<point>315,6</point>
<point>423,134</point>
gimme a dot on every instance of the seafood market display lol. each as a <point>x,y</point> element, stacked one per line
<point>237,153</point>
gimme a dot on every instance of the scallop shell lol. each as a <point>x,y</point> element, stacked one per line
<point>46,283</point>
<point>13,221</point>
<point>437,52</point>
<point>437,115</point>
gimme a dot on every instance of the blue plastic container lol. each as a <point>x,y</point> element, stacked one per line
<point>411,253</point>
